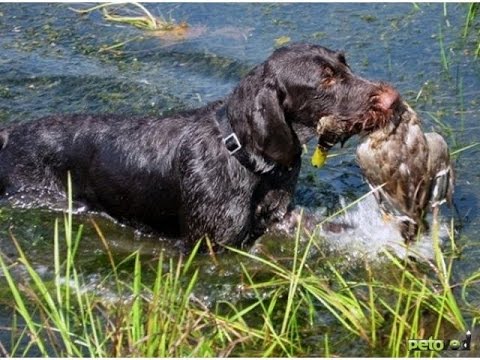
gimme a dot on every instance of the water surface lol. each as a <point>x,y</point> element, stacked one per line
<point>50,63</point>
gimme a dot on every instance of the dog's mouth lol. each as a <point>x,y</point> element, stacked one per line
<point>384,106</point>
<point>334,129</point>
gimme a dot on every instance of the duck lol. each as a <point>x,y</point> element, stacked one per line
<point>409,172</point>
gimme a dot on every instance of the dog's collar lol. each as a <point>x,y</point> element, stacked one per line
<point>232,143</point>
<point>230,139</point>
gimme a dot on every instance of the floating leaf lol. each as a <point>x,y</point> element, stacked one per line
<point>282,40</point>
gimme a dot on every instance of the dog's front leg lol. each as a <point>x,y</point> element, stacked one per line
<point>274,203</point>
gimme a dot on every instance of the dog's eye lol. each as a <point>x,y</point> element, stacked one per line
<point>327,71</point>
<point>328,76</point>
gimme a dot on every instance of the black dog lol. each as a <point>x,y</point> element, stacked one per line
<point>226,170</point>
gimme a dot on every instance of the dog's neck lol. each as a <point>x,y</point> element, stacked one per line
<point>239,149</point>
<point>240,125</point>
<point>256,112</point>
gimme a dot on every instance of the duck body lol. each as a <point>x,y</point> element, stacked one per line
<point>410,171</point>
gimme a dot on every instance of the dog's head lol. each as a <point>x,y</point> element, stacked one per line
<point>298,85</point>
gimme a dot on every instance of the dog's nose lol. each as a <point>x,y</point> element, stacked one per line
<point>387,97</point>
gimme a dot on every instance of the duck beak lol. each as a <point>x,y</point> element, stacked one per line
<point>319,157</point>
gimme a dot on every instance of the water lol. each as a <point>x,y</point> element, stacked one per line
<point>50,63</point>
<point>367,234</point>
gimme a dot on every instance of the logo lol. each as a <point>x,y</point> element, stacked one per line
<point>439,345</point>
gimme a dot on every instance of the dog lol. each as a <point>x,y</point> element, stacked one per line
<point>227,170</point>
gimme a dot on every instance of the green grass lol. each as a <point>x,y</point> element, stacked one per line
<point>468,28</point>
<point>291,304</point>
<point>470,18</point>
<point>443,53</point>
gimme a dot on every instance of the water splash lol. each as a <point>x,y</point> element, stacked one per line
<point>365,234</point>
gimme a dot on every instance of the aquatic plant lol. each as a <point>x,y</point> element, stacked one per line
<point>472,13</point>
<point>145,20</point>
<point>290,304</point>
<point>121,12</point>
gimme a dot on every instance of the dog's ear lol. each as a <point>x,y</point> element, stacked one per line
<point>271,134</point>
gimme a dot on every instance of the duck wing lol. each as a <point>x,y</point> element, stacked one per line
<point>440,170</point>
